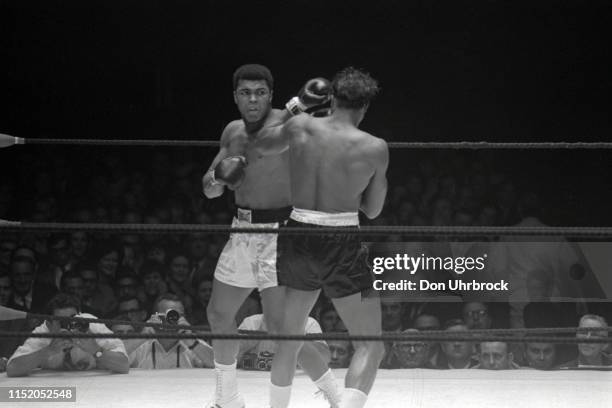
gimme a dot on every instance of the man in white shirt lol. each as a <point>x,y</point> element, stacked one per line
<point>168,353</point>
<point>65,353</point>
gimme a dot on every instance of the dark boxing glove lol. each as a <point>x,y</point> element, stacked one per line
<point>314,96</point>
<point>229,171</point>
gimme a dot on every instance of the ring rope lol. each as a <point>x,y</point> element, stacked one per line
<point>464,336</point>
<point>393,145</point>
<point>583,232</point>
<point>504,332</point>
<point>549,330</point>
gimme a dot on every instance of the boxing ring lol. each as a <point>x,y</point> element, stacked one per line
<point>414,388</point>
<point>418,388</point>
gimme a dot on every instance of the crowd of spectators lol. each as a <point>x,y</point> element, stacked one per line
<point>126,276</point>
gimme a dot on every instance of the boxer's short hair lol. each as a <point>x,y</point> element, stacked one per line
<point>253,72</point>
<point>353,88</point>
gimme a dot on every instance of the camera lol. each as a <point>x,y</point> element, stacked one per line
<point>74,325</point>
<point>170,317</point>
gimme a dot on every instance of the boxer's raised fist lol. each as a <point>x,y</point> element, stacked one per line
<point>314,95</point>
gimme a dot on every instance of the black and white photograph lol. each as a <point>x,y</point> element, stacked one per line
<point>306,204</point>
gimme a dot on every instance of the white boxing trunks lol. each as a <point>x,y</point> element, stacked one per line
<point>249,260</point>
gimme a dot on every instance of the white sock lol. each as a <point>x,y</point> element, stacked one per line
<point>279,396</point>
<point>227,386</point>
<point>353,398</point>
<point>327,384</point>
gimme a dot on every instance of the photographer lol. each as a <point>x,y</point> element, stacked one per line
<point>68,353</point>
<point>168,353</point>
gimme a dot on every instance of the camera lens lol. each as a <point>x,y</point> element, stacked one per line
<point>172,316</point>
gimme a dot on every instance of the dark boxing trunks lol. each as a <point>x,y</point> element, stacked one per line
<point>336,263</point>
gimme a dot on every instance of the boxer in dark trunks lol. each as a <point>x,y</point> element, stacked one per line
<point>336,170</point>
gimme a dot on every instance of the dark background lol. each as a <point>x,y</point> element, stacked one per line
<point>450,71</point>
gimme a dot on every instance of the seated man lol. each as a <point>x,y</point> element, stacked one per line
<point>541,356</point>
<point>64,353</point>
<point>591,354</point>
<point>313,357</point>
<point>132,309</point>
<point>341,353</point>
<point>456,354</point>
<point>476,315</point>
<point>168,353</point>
<point>495,355</point>
<point>426,321</point>
<point>409,354</point>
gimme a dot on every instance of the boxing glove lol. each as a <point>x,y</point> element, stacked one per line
<point>229,171</point>
<point>314,96</point>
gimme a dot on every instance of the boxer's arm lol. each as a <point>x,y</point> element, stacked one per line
<point>274,139</point>
<point>373,197</point>
<point>314,97</point>
<point>211,189</point>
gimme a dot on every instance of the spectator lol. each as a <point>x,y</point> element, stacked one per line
<point>329,319</point>
<point>541,356</point>
<point>27,295</point>
<point>58,246</point>
<point>179,279</point>
<point>341,352</point>
<point>99,298</point>
<point>91,299</point>
<point>156,251</point>
<point>591,354</point>
<point>168,353</point>
<point>476,315</point>
<point>153,274</point>
<point>131,308</point>
<point>27,252</point>
<point>409,354</point>
<point>456,354</point>
<point>202,297</point>
<point>65,353</point>
<point>127,283</point>
<point>79,246</point>
<point>72,283</point>
<point>429,322</point>
<point>107,258</point>
<point>198,251</point>
<point>495,355</point>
